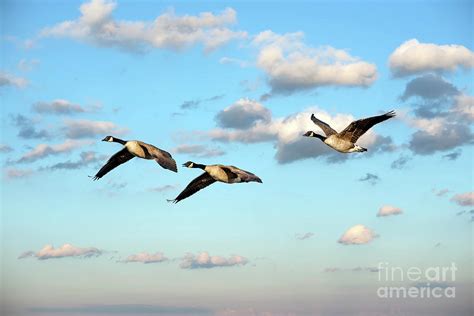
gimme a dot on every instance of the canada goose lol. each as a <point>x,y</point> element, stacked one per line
<point>213,173</point>
<point>344,141</point>
<point>135,148</point>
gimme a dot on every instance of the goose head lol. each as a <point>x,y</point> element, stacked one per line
<point>108,139</point>
<point>309,134</point>
<point>189,164</point>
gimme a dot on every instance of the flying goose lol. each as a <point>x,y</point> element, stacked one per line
<point>344,141</point>
<point>213,173</point>
<point>135,148</point>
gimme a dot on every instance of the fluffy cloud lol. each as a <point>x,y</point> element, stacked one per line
<point>86,158</point>
<point>464,199</point>
<point>291,66</point>
<point>66,250</point>
<point>145,257</point>
<point>97,26</point>
<point>86,128</point>
<point>357,235</point>
<point>199,151</point>
<point>204,261</point>
<point>439,134</point>
<point>27,128</point>
<point>7,79</point>
<point>14,173</point>
<point>286,133</point>
<point>58,106</point>
<point>44,150</point>
<point>304,236</point>
<point>464,106</point>
<point>413,57</point>
<point>429,86</point>
<point>388,210</point>
<point>243,114</point>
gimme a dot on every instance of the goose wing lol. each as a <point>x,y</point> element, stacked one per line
<point>197,184</point>
<point>164,159</point>
<point>116,160</point>
<point>328,130</point>
<point>357,128</point>
<point>245,176</point>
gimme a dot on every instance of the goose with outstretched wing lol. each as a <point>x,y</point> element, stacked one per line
<point>135,148</point>
<point>345,141</point>
<point>214,173</point>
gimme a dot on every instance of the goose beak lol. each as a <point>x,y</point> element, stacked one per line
<point>105,139</point>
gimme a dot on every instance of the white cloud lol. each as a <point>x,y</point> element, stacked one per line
<point>387,210</point>
<point>229,60</point>
<point>58,106</point>
<point>357,235</point>
<point>464,199</point>
<point>43,150</point>
<point>290,65</point>
<point>7,79</point>
<point>168,31</point>
<point>66,250</point>
<point>464,106</point>
<point>413,57</point>
<point>145,257</point>
<point>86,128</point>
<point>204,261</point>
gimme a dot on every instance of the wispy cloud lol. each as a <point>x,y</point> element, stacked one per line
<point>388,210</point>
<point>97,26</point>
<point>357,235</point>
<point>371,178</point>
<point>193,104</point>
<point>304,236</point>
<point>236,61</point>
<point>44,150</point>
<point>58,106</point>
<point>204,261</point>
<point>27,128</point>
<point>464,199</point>
<point>199,151</point>
<point>5,149</point>
<point>401,162</point>
<point>7,79</point>
<point>453,155</point>
<point>15,173</point>
<point>66,250</point>
<point>85,128</point>
<point>145,257</point>
<point>27,65</point>
<point>86,158</point>
<point>441,192</point>
<point>413,57</point>
<point>163,188</point>
<point>356,269</point>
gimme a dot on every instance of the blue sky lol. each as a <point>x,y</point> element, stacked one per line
<point>233,83</point>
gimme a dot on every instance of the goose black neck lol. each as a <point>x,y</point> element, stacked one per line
<point>120,141</point>
<point>321,137</point>
<point>198,165</point>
